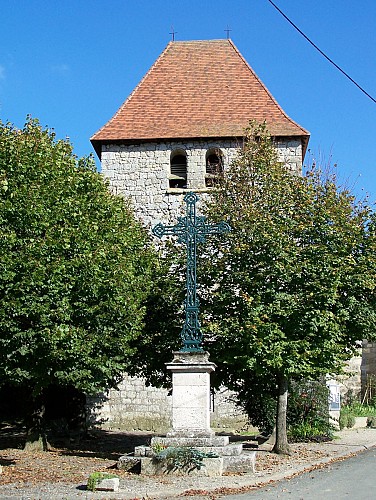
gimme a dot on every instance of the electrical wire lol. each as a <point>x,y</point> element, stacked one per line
<point>322,53</point>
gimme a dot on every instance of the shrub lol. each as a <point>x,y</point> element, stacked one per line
<point>346,420</point>
<point>371,422</point>
<point>183,457</point>
<point>356,409</point>
<point>308,411</point>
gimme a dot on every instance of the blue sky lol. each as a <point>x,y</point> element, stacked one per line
<point>71,63</point>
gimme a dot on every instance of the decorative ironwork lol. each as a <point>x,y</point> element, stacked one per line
<point>190,231</point>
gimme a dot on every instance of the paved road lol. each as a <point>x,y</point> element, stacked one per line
<point>352,479</point>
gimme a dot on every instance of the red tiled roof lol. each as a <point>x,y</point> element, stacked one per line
<point>197,89</point>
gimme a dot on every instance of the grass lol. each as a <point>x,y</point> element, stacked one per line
<point>359,410</point>
<point>351,411</point>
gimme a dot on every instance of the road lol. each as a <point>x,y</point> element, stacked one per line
<point>353,479</point>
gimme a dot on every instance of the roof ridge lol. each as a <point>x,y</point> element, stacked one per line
<point>201,41</point>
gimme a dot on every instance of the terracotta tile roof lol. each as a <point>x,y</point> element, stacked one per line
<point>197,89</point>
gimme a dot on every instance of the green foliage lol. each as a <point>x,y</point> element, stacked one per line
<point>346,420</point>
<point>308,411</point>
<point>163,320</point>
<point>183,457</point>
<point>75,271</point>
<point>96,477</point>
<point>294,280</point>
<point>158,448</point>
<point>306,431</point>
<point>355,409</point>
<point>371,422</point>
<point>359,410</point>
<point>257,395</point>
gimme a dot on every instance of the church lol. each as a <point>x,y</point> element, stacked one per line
<point>184,122</point>
<point>180,127</point>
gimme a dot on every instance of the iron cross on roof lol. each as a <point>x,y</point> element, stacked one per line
<point>191,230</point>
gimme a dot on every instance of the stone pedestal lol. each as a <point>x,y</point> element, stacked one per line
<point>191,394</point>
<point>191,427</point>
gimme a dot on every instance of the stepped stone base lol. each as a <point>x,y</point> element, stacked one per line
<point>191,441</point>
<point>231,457</point>
<point>212,467</point>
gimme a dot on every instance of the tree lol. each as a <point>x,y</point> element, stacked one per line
<point>164,318</point>
<point>75,271</point>
<point>293,280</point>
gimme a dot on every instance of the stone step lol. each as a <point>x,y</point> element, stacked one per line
<point>212,467</point>
<point>241,463</point>
<point>129,464</point>
<point>194,442</point>
<point>232,449</point>
<point>245,462</point>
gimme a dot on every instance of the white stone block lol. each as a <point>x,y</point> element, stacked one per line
<point>190,395</point>
<point>192,418</point>
<point>191,379</point>
<point>212,467</point>
<point>111,484</point>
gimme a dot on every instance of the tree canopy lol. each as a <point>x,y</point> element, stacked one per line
<point>294,281</point>
<point>75,271</point>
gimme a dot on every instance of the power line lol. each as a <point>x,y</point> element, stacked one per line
<point>322,53</point>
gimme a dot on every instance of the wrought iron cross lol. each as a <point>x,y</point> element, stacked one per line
<point>191,230</point>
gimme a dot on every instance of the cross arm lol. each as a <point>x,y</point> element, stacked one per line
<point>220,228</point>
<point>161,230</point>
<point>178,230</point>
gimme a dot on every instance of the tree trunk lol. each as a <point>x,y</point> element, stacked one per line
<point>281,445</point>
<point>36,439</point>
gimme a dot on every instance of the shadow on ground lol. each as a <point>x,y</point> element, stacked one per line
<point>97,443</point>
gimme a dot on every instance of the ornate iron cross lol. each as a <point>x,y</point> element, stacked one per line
<point>191,230</point>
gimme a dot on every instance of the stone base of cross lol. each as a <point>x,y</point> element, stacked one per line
<point>191,395</point>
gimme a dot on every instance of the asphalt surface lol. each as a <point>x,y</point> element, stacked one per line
<point>353,478</point>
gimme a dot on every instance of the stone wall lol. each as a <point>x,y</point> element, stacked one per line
<point>133,406</point>
<point>226,414</point>
<point>350,381</point>
<point>140,172</point>
<point>368,370</point>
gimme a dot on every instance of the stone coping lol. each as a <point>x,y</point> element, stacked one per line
<point>192,441</point>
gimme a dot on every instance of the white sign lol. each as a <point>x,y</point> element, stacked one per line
<point>334,396</point>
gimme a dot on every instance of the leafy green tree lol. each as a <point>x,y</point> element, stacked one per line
<point>164,318</point>
<point>75,271</point>
<point>293,281</point>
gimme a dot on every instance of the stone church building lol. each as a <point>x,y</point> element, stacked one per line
<point>182,125</point>
<point>185,119</point>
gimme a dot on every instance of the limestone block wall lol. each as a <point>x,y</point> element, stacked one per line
<point>350,381</point>
<point>368,369</point>
<point>140,172</point>
<point>133,406</point>
<point>369,357</point>
<point>226,414</point>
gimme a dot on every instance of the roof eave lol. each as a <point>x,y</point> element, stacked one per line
<point>98,143</point>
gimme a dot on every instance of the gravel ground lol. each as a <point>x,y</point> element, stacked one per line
<point>62,473</point>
